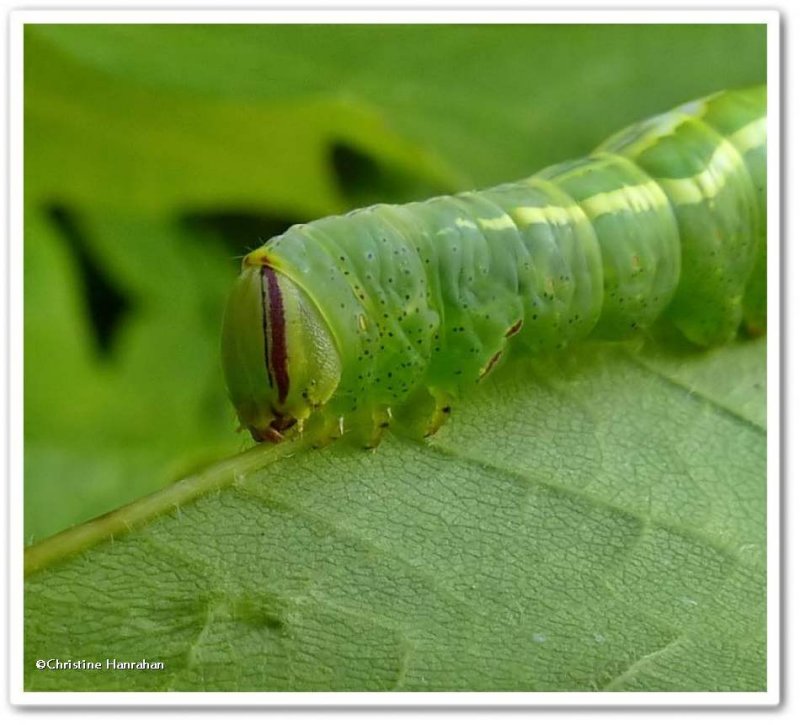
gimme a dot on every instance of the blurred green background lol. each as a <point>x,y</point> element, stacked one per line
<point>156,156</point>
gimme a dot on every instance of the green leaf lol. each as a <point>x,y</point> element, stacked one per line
<point>583,523</point>
<point>589,522</point>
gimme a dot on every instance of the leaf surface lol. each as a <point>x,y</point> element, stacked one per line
<point>589,524</point>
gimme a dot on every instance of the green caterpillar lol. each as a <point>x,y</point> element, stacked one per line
<point>384,315</point>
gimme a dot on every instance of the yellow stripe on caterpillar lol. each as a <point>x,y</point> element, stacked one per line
<point>724,163</point>
<point>627,198</point>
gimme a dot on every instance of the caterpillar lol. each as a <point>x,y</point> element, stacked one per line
<point>385,315</point>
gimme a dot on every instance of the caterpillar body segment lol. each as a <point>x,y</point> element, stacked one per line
<point>384,316</point>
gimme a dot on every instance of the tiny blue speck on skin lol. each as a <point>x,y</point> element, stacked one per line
<point>539,638</point>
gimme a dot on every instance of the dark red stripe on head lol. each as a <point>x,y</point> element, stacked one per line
<point>275,332</point>
<point>265,325</point>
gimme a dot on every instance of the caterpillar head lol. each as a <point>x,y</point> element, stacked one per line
<point>278,354</point>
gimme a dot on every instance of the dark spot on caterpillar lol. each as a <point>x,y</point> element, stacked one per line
<point>107,303</point>
<point>446,409</point>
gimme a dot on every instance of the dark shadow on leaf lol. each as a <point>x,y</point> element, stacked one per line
<point>239,230</point>
<point>364,180</point>
<point>106,302</point>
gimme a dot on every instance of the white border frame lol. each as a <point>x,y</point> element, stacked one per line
<point>17,695</point>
